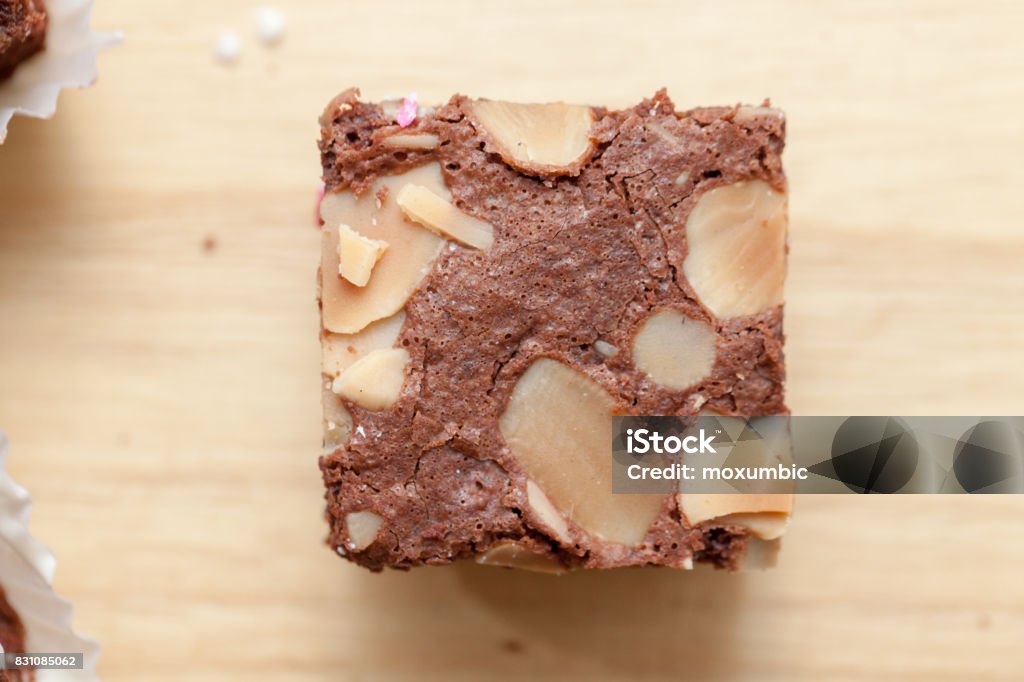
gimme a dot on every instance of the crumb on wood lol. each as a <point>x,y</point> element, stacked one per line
<point>512,646</point>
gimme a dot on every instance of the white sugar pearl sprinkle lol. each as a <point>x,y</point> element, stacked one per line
<point>228,47</point>
<point>269,25</point>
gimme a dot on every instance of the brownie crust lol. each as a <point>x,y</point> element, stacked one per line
<point>576,259</point>
<point>23,26</point>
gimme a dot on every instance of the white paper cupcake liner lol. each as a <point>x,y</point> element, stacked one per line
<point>69,61</point>
<point>26,573</point>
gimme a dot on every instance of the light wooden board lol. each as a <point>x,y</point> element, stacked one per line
<point>163,401</point>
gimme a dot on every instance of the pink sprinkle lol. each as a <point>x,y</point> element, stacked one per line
<point>407,112</point>
<point>317,220</point>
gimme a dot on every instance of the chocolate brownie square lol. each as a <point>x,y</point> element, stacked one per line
<point>497,280</point>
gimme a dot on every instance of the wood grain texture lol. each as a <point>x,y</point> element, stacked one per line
<point>162,399</point>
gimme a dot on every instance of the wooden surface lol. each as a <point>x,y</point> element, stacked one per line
<point>162,399</point>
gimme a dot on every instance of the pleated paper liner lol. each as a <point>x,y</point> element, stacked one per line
<point>69,61</point>
<point>26,574</point>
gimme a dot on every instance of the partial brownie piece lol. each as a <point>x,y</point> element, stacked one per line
<point>497,280</point>
<point>22,32</point>
<point>12,636</point>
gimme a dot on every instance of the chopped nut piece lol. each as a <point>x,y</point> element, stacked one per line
<point>558,426</point>
<point>765,515</point>
<point>357,255</point>
<point>420,204</point>
<point>700,508</point>
<point>362,529</point>
<point>765,525</point>
<point>375,381</point>
<point>337,421</point>
<point>675,351</point>
<point>348,308</point>
<point>546,512</point>
<point>339,351</point>
<point>389,107</point>
<point>415,141</point>
<point>516,555</point>
<point>606,349</point>
<point>747,114</point>
<point>542,139</point>
<point>736,260</point>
